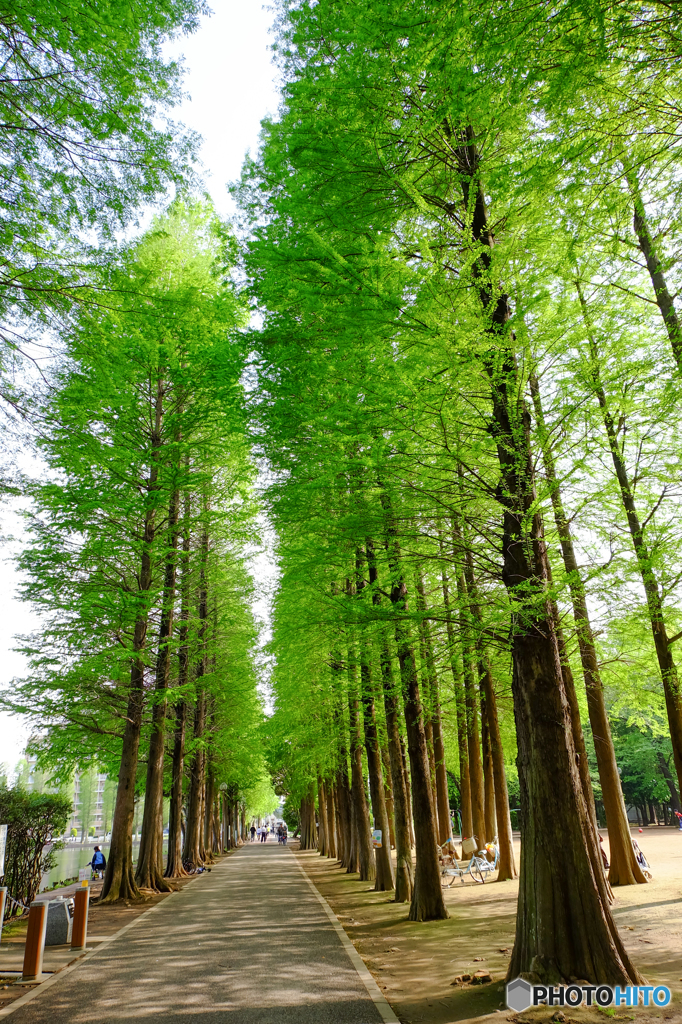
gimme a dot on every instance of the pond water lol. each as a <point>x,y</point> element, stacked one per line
<point>75,856</point>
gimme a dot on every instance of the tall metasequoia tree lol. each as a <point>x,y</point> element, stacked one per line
<point>462,747</point>
<point>149,872</point>
<point>388,787</point>
<point>174,868</point>
<point>342,786</point>
<point>442,796</point>
<point>308,829</point>
<point>488,778</point>
<point>193,850</point>
<point>564,923</point>
<point>362,833</point>
<point>322,841</point>
<point>401,807</point>
<point>384,870</point>
<point>331,820</point>
<point>119,878</point>
<point>470,703</point>
<point>500,795</point>
<point>624,867</point>
<point>427,895</point>
<point>666,662</point>
<point>647,244</point>
<point>425,690</point>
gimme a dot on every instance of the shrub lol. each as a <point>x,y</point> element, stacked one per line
<point>33,820</point>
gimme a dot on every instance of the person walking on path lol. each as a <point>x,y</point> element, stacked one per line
<point>98,863</point>
<point>264,834</point>
<point>253,833</point>
<point>679,818</point>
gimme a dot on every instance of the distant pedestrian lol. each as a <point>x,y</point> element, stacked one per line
<point>98,863</point>
<point>253,833</point>
<point>264,834</point>
<point>284,835</point>
<point>679,818</point>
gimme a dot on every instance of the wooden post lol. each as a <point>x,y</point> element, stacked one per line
<point>35,941</point>
<point>3,898</point>
<point>79,930</point>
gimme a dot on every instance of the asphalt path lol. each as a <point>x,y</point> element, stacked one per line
<point>248,943</point>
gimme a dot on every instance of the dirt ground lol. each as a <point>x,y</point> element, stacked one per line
<point>415,964</point>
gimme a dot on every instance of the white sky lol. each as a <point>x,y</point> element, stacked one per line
<point>231,81</point>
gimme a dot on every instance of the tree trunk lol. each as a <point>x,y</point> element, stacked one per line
<point>191,853</point>
<point>442,801</point>
<point>464,782</point>
<point>624,868</point>
<point>664,299</point>
<point>384,868</point>
<point>488,781</point>
<point>428,723</point>
<point>149,872</point>
<point>322,843</point>
<point>670,782</point>
<point>507,866</point>
<point>572,698</point>
<point>564,925</point>
<point>119,878</point>
<point>331,821</point>
<point>174,868</point>
<point>427,895</point>
<point>666,663</point>
<point>382,855</point>
<point>471,704</point>
<point>208,814</point>
<point>362,833</point>
<point>401,801</point>
<point>408,790</point>
<point>388,792</point>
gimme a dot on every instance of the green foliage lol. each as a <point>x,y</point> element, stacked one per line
<point>86,141</point>
<point>373,348</point>
<point>259,798</point>
<point>34,821</point>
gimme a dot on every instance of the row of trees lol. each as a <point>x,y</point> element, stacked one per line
<point>144,662</point>
<point>463,237</point>
<point>141,518</point>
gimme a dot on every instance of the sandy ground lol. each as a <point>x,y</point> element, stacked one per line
<point>415,964</point>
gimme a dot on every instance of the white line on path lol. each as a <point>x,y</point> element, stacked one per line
<point>387,1014</point>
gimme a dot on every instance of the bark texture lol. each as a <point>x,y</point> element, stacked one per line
<point>462,749</point>
<point>442,799</point>
<point>624,868</point>
<point>119,878</point>
<point>364,852</point>
<point>427,895</point>
<point>392,710</point>
<point>150,874</point>
<point>564,923</point>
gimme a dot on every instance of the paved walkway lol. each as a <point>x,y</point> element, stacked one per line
<point>248,943</point>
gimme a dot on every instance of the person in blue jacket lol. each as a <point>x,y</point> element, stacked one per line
<point>98,863</point>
